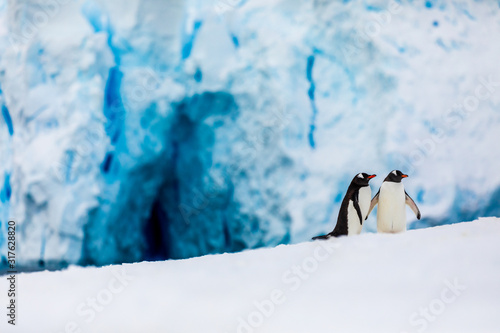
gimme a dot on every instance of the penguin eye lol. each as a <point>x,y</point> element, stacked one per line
<point>360,175</point>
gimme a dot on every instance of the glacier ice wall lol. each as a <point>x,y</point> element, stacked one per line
<point>170,129</point>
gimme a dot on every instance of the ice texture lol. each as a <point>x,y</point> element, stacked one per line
<point>172,129</point>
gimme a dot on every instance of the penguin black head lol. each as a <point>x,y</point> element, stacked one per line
<point>395,176</point>
<point>362,179</point>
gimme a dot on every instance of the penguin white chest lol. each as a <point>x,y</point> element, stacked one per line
<point>391,214</point>
<point>354,225</point>
<point>365,198</point>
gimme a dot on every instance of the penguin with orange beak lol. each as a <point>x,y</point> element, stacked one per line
<point>391,200</point>
<point>354,208</point>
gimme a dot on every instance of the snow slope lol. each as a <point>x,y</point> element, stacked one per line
<point>366,283</point>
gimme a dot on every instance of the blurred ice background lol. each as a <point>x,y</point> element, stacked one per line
<point>171,129</point>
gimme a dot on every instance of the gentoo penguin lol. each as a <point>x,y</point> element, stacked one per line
<point>391,199</point>
<point>354,208</point>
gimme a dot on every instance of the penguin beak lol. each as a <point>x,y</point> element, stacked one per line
<point>404,176</point>
<point>372,176</point>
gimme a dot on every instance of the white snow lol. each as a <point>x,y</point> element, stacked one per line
<point>365,283</point>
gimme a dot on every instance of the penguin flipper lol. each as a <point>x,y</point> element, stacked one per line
<point>409,201</point>
<point>358,210</point>
<point>373,203</point>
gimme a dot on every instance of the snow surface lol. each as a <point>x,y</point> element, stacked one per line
<point>170,129</point>
<point>365,283</point>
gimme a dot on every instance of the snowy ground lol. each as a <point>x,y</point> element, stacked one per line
<point>442,279</point>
